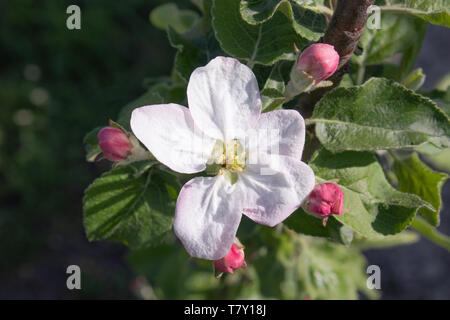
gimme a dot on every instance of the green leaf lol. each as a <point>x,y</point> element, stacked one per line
<point>276,271</point>
<point>301,222</point>
<point>306,21</point>
<point>397,34</point>
<point>189,56</point>
<point>195,47</point>
<point>400,239</point>
<point>346,81</point>
<point>433,11</point>
<point>429,149</point>
<point>438,160</point>
<point>385,70</point>
<point>441,98</point>
<point>409,55</point>
<point>265,43</point>
<point>126,207</point>
<point>330,271</point>
<point>416,177</point>
<point>199,4</point>
<point>380,114</point>
<point>415,80</point>
<point>293,266</point>
<point>444,84</point>
<point>272,95</point>
<point>372,207</point>
<point>91,146</point>
<point>142,167</point>
<point>169,15</point>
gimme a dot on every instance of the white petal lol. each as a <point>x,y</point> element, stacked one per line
<point>207,216</point>
<point>273,192</point>
<point>280,132</point>
<point>224,98</point>
<point>168,131</point>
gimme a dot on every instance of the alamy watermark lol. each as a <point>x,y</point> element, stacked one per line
<point>74,280</point>
<point>374,18</point>
<point>73,21</point>
<point>373,12</point>
<point>374,280</point>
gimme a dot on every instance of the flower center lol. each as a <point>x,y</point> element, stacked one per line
<point>228,159</point>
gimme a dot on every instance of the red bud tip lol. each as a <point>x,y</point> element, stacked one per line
<point>114,143</point>
<point>232,261</point>
<point>325,199</point>
<point>319,60</point>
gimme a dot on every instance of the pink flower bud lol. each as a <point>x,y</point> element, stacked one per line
<point>232,261</point>
<point>325,199</point>
<point>319,60</point>
<point>114,143</point>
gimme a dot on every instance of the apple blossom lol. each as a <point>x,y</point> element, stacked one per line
<point>224,132</point>
<point>319,60</point>
<point>316,63</point>
<point>120,146</point>
<point>325,199</point>
<point>114,143</point>
<point>234,259</point>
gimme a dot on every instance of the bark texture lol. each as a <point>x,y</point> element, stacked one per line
<point>343,32</point>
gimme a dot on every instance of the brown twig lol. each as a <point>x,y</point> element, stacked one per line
<point>343,32</point>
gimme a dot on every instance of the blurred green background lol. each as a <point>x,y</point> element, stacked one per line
<point>55,85</point>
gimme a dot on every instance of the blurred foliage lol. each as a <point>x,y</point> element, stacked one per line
<point>281,265</point>
<point>56,84</point>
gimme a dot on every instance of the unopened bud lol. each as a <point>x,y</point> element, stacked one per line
<point>114,143</point>
<point>319,60</point>
<point>315,64</point>
<point>232,261</point>
<point>325,199</point>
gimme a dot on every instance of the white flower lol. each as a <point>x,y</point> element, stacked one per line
<point>221,132</point>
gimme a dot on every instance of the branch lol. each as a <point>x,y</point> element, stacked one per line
<point>346,27</point>
<point>343,32</point>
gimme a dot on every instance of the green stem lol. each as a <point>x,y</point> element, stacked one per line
<point>330,4</point>
<point>421,226</point>
<point>361,73</point>
<point>394,155</point>
<point>362,68</point>
<point>251,62</point>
